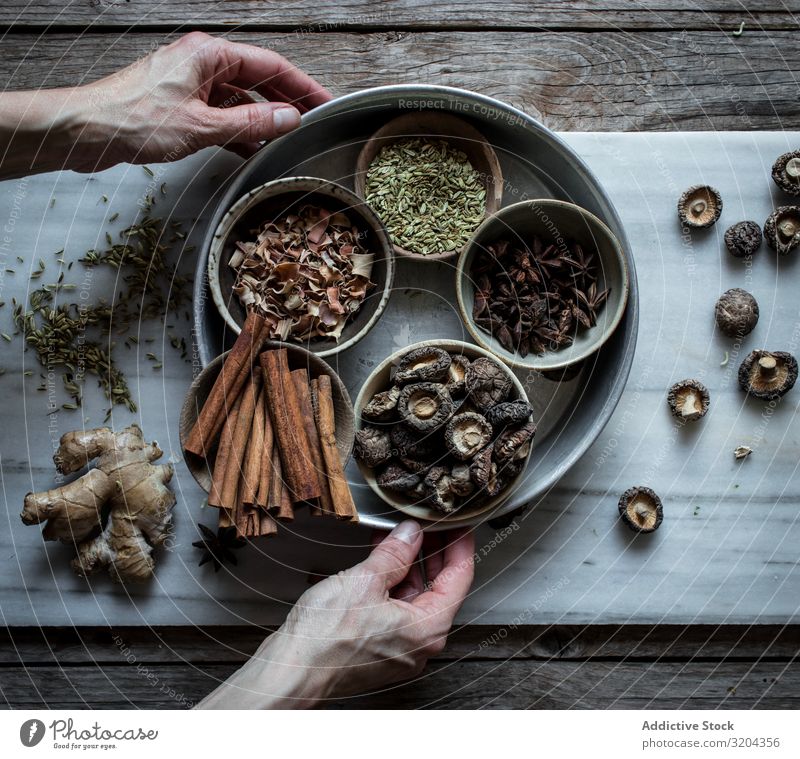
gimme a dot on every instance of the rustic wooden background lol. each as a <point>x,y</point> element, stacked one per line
<point>657,65</point>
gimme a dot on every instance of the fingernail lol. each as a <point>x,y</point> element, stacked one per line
<point>285,119</point>
<point>406,531</point>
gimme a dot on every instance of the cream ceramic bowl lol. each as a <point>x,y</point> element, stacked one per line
<point>379,380</point>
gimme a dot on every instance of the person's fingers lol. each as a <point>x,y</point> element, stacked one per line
<point>254,68</point>
<point>408,589</point>
<point>433,551</point>
<point>248,123</point>
<point>392,558</point>
<point>225,95</point>
<point>450,587</point>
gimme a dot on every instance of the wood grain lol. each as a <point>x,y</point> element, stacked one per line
<point>571,81</point>
<point>400,14</point>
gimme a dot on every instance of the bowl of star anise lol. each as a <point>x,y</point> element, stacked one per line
<point>542,284</point>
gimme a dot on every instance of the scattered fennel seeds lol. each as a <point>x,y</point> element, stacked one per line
<point>427,193</point>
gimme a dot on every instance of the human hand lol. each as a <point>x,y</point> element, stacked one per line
<point>366,627</point>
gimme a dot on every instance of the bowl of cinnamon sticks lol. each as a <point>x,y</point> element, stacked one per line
<point>268,428</point>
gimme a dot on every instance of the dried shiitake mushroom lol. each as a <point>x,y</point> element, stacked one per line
<point>786,172</point>
<point>487,383</point>
<point>481,467</point>
<point>460,481</point>
<point>768,374</point>
<point>510,441</point>
<point>641,510</point>
<point>426,364</point>
<point>398,479</point>
<point>425,406</point>
<point>466,434</point>
<point>782,229</point>
<point>688,399</point>
<point>373,446</point>
<point>508,413</point>
<point>382,406</point>
<point>736,312</point>
<point>409,442</point>
<point>700,206</point>
<point>496,481</point>
<point>743,239</point>
<point>416,465</point>
<point>456,375</point>
<point>440,492</point>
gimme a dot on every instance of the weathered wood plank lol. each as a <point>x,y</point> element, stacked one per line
<point>572,81</point>
<point>165,645</point>
<point>468,685</point>
<point>408,14</point>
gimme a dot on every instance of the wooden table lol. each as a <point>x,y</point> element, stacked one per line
<point>669,67</point>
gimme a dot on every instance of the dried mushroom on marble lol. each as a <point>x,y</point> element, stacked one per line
<point>688,400</point>
<point>786,172</point>
<point>424,406</point>
<point>641,509</point>
<point>743,239</point>
<point>439,452</point>
<point>700,206</point>
<point>736,312</point>
<point>768,375</point>
<point>782,229</point>
<point>426,364</point>
<point>306,273</point>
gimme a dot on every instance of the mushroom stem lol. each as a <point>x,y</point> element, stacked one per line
<point>787,228</point>
<point>691,405</point>
<point>767,366</point>
<point>641,511</point>
<point>793,168</point>
<point>699,207</point>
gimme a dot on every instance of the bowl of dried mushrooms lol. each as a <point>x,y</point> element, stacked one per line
<point>444,431</point>
<point>310,256</point>
<point>542,285</point>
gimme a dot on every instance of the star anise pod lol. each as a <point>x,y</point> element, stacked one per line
<point>218,548</point>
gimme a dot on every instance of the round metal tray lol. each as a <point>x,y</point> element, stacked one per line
<point>535,164</point>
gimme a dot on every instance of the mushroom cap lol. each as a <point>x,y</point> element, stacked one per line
<point>688,399</point>
<point>425,406</point>
<point>508,412</point>
<point>481,467</point>
<point>488,383</point>
<point>409,442</point>
<point>425,364</point>
<point>509,442</point>
<point>743,239</point>
<point>786,172</point>
<point>456,375</point>
<point>466,434</point>
<point>373,446</point>
<point>700,206</point>
<point>782,229</point>
<point>768,375</point>
<point>641,509</point>
<point>460,480</point>
<point>736,312</point>
<point>398,479</point>
<point>382,406</point>
<point>439,489</point>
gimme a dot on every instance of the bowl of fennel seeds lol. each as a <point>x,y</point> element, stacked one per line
<point>432,178</point>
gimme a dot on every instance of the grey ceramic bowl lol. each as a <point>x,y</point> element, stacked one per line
<point>550,219</point>
<point>379,380</point>
<point>275,198</point>
<point>299,358</point>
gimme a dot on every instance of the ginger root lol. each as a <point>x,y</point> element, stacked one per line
<point>125,484</point>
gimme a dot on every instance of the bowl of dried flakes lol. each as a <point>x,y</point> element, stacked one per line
<point>310,256</point>
<point>542,284</point>
<point>432,178</point>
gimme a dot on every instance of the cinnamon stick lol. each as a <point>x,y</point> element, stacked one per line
<point>223,454</point>
<point>322,395</point>
<point>241,434</point>
<point>265,476</point>
<point>225,518</point>
<point>267,525</point>
<point>251,471</point>
<point>300,478</point>
<point>228,385</point>
<point>279,502</point>
<point>303,390</point>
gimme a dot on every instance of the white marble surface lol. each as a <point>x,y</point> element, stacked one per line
<point>726,553</point>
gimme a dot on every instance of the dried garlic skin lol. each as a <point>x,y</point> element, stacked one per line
<point>736,312</point>
<point>782,229</point>
<point>466,434</point>
<point>786,172</point>
<point>373,446</point>
<point>700,206</point>
<point>743,239</point>
<point>641,509</point>
<point>768,375</point>
<point>688,399</point>
<point>427,364</point>
<point>425,406</point>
